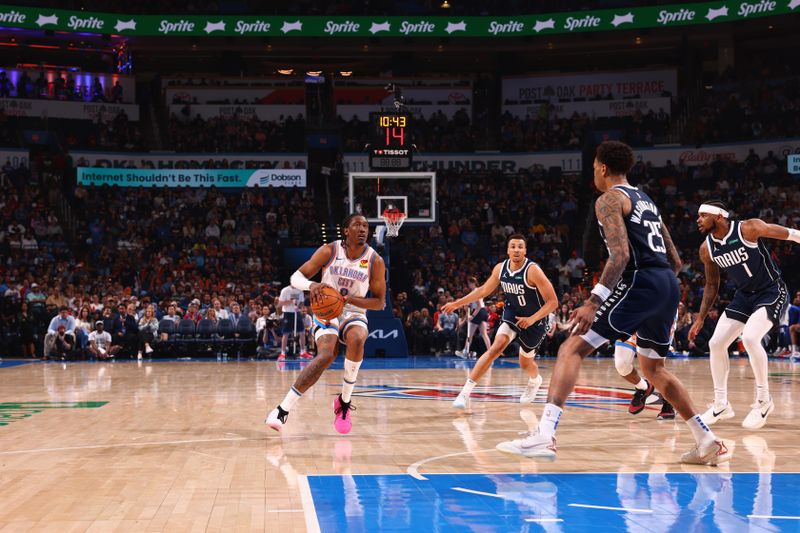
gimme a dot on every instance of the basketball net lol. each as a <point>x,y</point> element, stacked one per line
<point>393,218</point>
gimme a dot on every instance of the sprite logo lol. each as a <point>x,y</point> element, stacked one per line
<point>511,26</point>
<point>13,16</point>
<point>682,15</point>
<point>764,6</point>
<point>175,27</point>
<point>417,27</point>
<point>348,26</point>
<point>258,26</point>
<point>589,21</point>
<point>91,23</point>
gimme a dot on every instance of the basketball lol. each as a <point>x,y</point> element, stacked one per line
<point>329,305</point>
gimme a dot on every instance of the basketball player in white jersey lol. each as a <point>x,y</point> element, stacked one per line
<point>353,268</point>
<point>529,300</point>
<point>476,321</point>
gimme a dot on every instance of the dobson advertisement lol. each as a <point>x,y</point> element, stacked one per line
<point>172,160</point>
<point>618,85</point>
<point>192,178</point>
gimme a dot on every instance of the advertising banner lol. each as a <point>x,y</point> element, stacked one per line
<point>597,108</point>
<point>14,156</point>
<point>244,111</point>
<point>225,95</point>
<point>485,162</point>
<point>228,178</point>
<point>24,107</point>
<point>641,84</point>
<point>692,156</point>
<point>173,160</point>
<point>75,21</point>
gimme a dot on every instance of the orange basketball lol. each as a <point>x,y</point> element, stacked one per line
<point>329,305</point>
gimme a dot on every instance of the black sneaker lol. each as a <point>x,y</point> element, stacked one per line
<point>667,412</point>
<point>639,399</point>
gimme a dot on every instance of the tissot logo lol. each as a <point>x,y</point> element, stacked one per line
<point>181,26</point>
<point>512,26</point>
<point>258,26</point>
<point>91,23</point>
<point>417,27</point>
<point>589,21</point>
<point>348,26</point>
<point>381,334</point>
<point>13,16</point>
<point>764,6</point>
<point>682,15</point>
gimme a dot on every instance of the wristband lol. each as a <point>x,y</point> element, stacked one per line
<point>794,235</point>
<point>299,281</point>
<point>601,291</point>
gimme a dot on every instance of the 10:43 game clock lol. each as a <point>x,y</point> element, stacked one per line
<point>390,147</point>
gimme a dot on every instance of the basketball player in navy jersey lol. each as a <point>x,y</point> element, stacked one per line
<point>736,247</point>
<point>641,268</point>
<point>353,268</point>
<point>529,299</point>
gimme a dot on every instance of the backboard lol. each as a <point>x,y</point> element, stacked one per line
<point>370,193</point>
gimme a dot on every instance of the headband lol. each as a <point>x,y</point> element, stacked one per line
<point>713,210</point>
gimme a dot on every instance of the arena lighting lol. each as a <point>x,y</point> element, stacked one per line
<point>638,40</point>
<point>314,73</point>
<point>286,71</point>
<point>445,5</point>
<point>346,73</point>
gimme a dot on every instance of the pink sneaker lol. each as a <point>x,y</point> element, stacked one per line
<point>306,355</point>
<point>282,357</point>
<point>343,422</point>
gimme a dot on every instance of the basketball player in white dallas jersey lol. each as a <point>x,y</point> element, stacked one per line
<point>353,268</point>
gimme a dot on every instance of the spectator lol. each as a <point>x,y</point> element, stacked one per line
<point>130,329</point>
<point>445,332</point>
<point>63,344</point>
<point>63,318</point>
<point>100,342</point>
<point>25,323</point>
<point>576,265</point>
<point>83,326</point>
<point>35,295</point>
<point>148,331</point>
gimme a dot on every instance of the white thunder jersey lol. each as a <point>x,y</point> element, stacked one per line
<point>349,276</point>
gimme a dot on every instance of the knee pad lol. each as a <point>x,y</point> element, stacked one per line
<point>623,358</point>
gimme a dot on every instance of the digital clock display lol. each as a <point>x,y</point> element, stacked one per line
<point>391,141</point>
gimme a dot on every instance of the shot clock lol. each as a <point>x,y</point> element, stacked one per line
<point>391,141</point>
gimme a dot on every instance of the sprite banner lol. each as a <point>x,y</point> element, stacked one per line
<point>393,26</point>
<point>212,177</point>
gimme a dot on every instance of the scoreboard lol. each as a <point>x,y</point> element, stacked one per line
<point>390,147</point>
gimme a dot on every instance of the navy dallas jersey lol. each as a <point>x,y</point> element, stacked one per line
<point>756,278</point>
<point>522,300</point>
<point>645,299</point>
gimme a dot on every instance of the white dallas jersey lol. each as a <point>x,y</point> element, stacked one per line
<point>350,277</point>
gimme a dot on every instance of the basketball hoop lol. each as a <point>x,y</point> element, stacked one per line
<point>393,218</point>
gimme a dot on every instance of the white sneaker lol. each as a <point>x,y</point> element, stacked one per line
<point>534,445</point>
<point>758,415</point>
<point>715,414</point>
<point>473,355</point>
<point>148,349</point>
<point>463,354</point>
<point>139,356</point>
<point>277,419</point>
<point>711,454</point>
<point>529,396</point>
<point>461,402</point>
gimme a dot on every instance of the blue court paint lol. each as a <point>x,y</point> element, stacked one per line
<point>9,364</point>
<point>645,502</point>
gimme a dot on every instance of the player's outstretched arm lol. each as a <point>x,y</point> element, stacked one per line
<point>309,269</point>
<point>537,278</point>
<point>672,252</point>
<point>709,292</point>
<point>755,228</point>
<point>377,288</point>
<point>484,291</point>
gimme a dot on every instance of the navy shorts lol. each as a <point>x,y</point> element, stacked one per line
<point>481,316</point>
<point>643,302</point>
<point>774,298</point>
<point>288,322</point>
<point>529,338</point>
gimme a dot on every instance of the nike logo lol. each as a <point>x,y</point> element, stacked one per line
<point>717,414</point>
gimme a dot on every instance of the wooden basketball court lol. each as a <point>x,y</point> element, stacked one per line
<point>181,446</point>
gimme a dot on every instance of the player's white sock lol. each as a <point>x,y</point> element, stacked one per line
<point>291,398</point>
<point>467,345</point>
<point>702,435</point>
<point>642,385</point>
<point>725,333</point>
<point>466,390</point>
<point>550,418</point>
<point>349,379</point>
<point>756,327</point>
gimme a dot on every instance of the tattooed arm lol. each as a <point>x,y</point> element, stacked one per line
<point>672,253</point>
<point>609,208</point>
<point>709,293</point>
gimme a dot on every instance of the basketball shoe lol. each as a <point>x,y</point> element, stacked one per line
<point>282,357</point>
<point>534,445</point>
<point>343,421</point>
<point>277,418</point>
<point>529,396</point>
<point>639,399</point>
<point>714,453</point>
<point>757,417</point>
<point>461,401</point>
<point>667,412</point>
<point>306,355</point>
<point>716,413</point>
<point>463,354</point>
